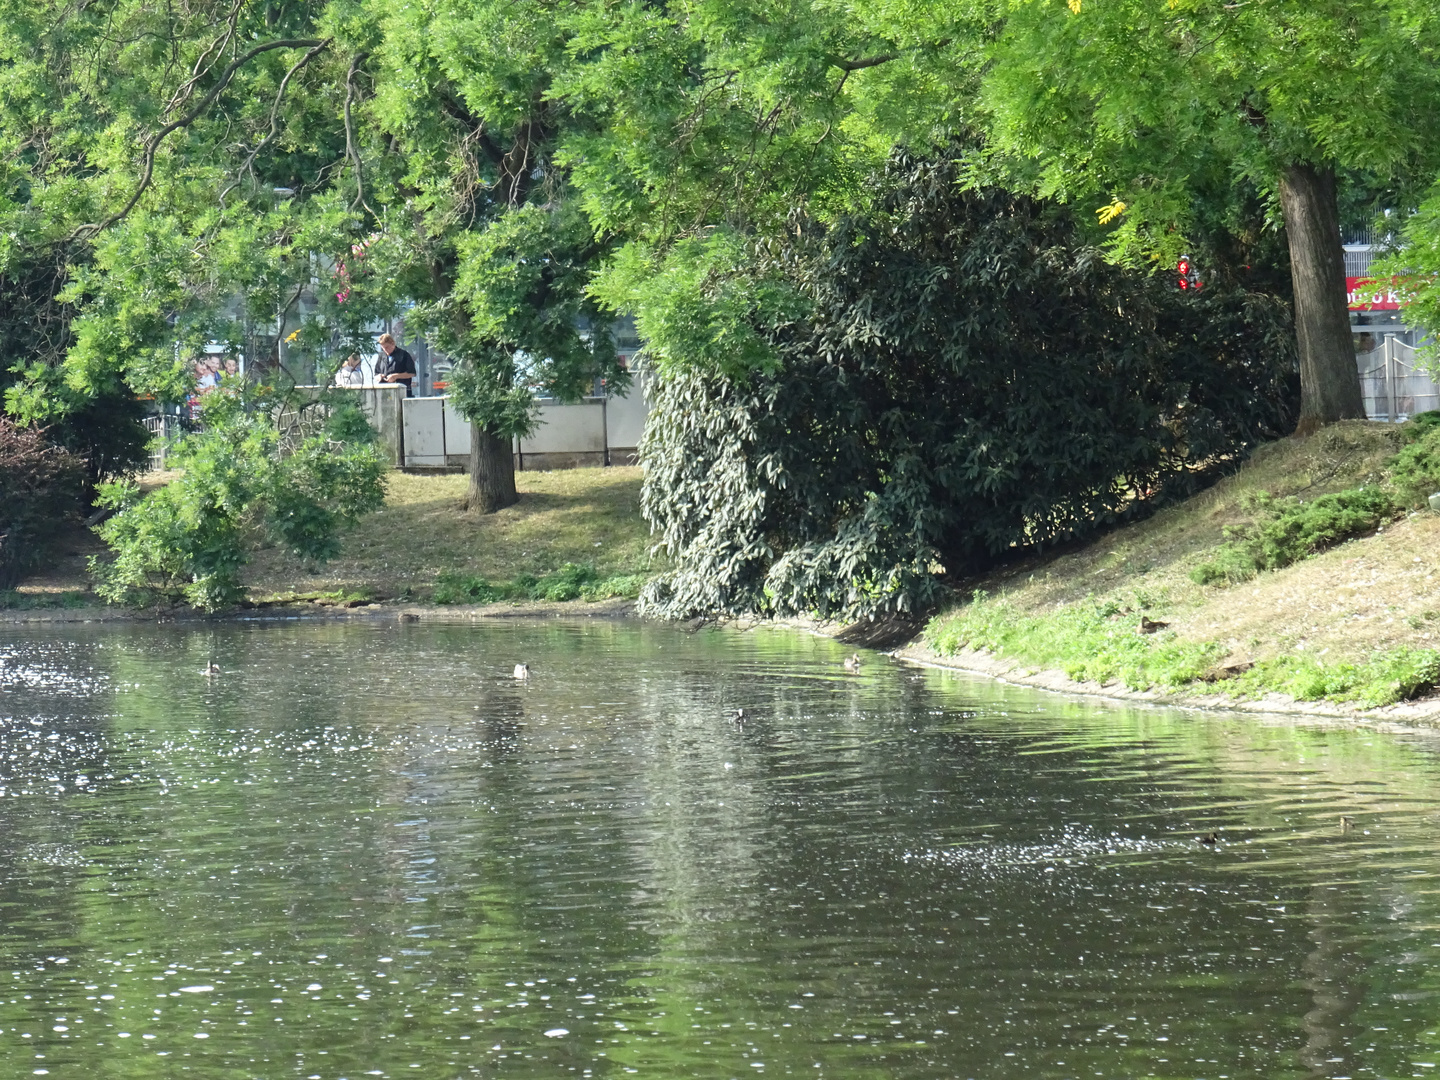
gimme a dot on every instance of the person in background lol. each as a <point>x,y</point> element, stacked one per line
<point>350,373</point>
<point>395,365</point>
<point>205,377</point>
<point>232,370</point>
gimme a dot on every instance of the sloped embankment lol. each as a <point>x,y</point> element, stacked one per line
<point>1356,624</point>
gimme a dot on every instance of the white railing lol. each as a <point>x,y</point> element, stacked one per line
<point>162,429</point>
<point>1394,386</point>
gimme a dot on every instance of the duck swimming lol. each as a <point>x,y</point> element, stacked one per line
<point>852,662</point>
<point>522,671</point>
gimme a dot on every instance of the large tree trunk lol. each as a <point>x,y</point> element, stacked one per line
<point>492,473</point>
<point>1329,379</point>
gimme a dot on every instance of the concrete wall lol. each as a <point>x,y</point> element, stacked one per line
<point>567,429</point>
<point>433,434</point>
<point>429,433</point>
<point>625,420</point>
<point>383,406</point>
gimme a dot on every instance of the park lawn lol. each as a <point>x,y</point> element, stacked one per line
<point>1336,625</point>
<point>422,536</point>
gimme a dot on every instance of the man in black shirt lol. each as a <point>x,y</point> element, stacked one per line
<point>395,365</point>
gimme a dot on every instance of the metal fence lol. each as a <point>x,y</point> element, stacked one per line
<point>1395,387</point>
<point>162,430</point>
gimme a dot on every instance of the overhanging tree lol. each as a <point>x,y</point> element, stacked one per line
<point>1150,113</point>
<point>1135,100</point>
<point>483,216</point>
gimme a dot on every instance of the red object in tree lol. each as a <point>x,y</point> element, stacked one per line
<point>1188,276</point>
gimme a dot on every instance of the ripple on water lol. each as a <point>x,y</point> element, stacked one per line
<point>364,849</point>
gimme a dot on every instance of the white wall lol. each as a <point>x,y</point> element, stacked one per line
<point>436,434</point>
<point>567,429</point>
<point>625,417</point>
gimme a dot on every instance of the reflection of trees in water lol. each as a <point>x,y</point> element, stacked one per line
<point>500,718</point>
<point>586,824</point>
<point>1334,971</point>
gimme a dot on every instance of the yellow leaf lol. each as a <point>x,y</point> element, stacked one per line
<point>1074,6</point>
<point>1107,214</point>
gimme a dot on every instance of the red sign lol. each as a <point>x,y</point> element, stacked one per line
<point>1367,294</point>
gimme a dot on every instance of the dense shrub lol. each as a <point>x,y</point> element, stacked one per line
<point>969,382</point>
<point>1288,530</point>
<point>1284,531</point>
<point>188,540</point>
<point>104,428</point>
<point>1415,470</point>
<point>39,491</point>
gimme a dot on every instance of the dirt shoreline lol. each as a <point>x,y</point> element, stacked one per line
<point>1417,715</point>
<point>1421,714</point>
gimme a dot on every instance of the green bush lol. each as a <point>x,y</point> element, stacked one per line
<point>1415,470</point>
<point>187,541</point>
<point>456,588</point>
<point>40,488</point>
<point>962,382</point>
<point>1289,530</point>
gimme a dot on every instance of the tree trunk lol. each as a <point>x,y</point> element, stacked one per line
<point>1329,379</point>
<point>492,473</point>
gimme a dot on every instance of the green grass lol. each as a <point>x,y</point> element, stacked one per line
<point>573,581</point>
<point>1386,677</point>
<point>1089,642</point>
<point>423,544</point>
<point>1101,643</point>
<point>14,600</point>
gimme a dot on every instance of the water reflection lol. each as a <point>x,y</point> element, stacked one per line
<point>367,850</point>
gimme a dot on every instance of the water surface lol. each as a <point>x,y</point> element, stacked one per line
<point>366,850</point>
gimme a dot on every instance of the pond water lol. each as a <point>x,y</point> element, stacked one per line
<point>367,850</point>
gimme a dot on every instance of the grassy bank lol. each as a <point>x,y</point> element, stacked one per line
<point>576,534</point>
<point>1187,601</point>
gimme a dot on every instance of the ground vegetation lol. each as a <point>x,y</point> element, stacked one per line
<point>507,176</point>
<point>960,379</point>
<point>1354,617</point>
<point>235,488</point>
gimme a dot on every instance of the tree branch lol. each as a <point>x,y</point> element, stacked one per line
<point>457,111</point>
<point>352,148</point>
<point>274,115</point>
<point>859,65</point>
<point>153,143</point>
<point>864,62</point>
<point>202,68</point>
